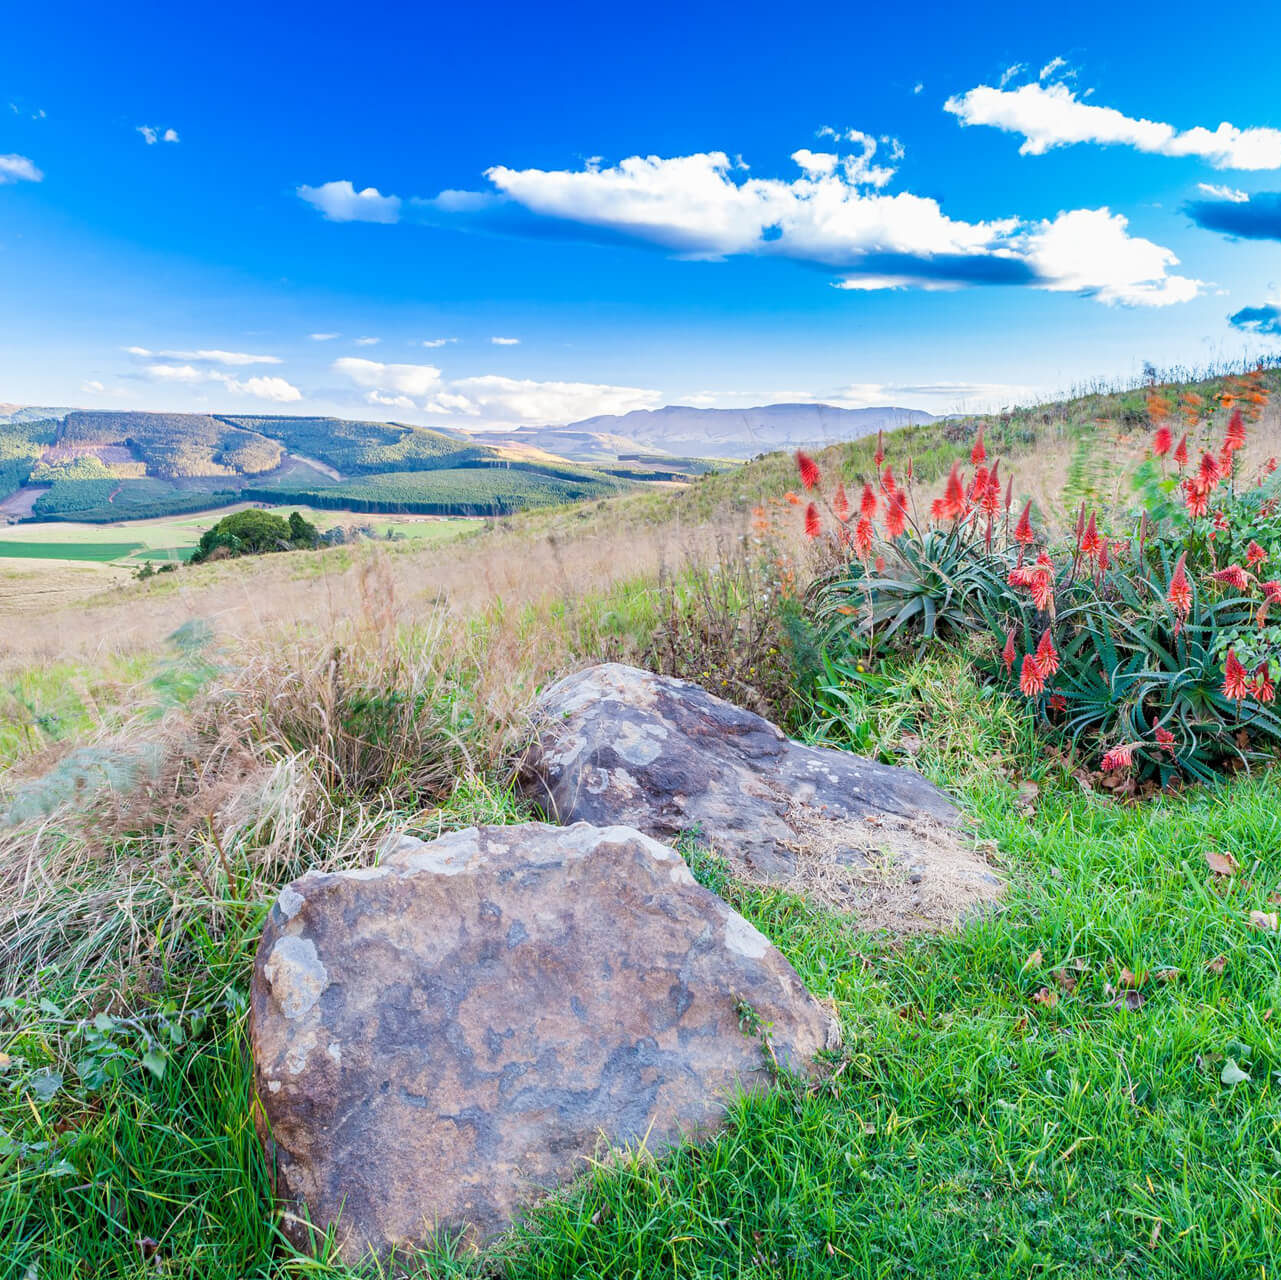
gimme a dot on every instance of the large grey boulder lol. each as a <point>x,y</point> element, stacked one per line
<point>614,744</point>
<point>439,1039</point>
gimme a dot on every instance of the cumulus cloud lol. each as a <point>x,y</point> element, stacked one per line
<point>494,398</point>
<point>430,343</point>
<point>505,342</point>
<point>1052,115</point>
<point>15,168</point>
<point>261,388</point>
<point>367,342</point>
<point>151,134</point>
<point>324,337</point>
<point>211,356</point>
<point>341,202</point>
<point>1257,217</point>
<point>1264,320</point>
<point>1216,192</point>
<point>836,215</point>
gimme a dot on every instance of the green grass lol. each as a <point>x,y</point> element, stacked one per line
<point>57,550</point>
<point>964,1130</point>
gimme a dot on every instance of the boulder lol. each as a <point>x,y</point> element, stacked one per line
<point>614,744</point>
<point>443,1037</point>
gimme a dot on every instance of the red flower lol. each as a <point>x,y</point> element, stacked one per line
<point>1031,677</point>
<point>867,506</point>
<point>1008,654</point>
<point>1197,500</point>
<point>880,448</point>
<point>1234,576</point>
<point>1042,583</point>
<point>1235,682</point>
<point>1181,453</point>
<point>887,482</point>
<point>1103,555</point>
<point>1255,554</point>
<point>1121,757</point>
<point>1270,466</point>
<point>840,503</point>
<point>1164,738</point>
<point>909,470</point>
<point>951,506</point>
<point>813,525</point>
<point>1180,593</point>
<point>1090,540</point>
<point>880,564</point>
<point>808,468</point>
<point>1261,687</point>
<point>895,515</point>
<point>1161,441</point>
<point>1209,473</point>
<point>978,453</point>
<point>1058,702</point>
<point>1235,438</point>
<point>1023,530</point>
<point>991,497</point>
<point>1047,656</point>
<point>978,486</point>
<point>863,537</point>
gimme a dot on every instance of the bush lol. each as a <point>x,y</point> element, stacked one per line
<point>1143,640</point>
<point>251,532</point>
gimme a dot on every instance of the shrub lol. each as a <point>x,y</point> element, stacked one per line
<point>1143,639</point>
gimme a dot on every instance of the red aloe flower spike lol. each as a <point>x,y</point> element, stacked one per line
<point>1198,502</point>
<point>896,515</point>
<point>813,525</point>
<point>1009,653</point>
<point>1121,757</point>
<point>1235,678</point>
<point>887,482</point>
<point>1031,677</point>
<point>1235,438</point>
<point>1047,656</point>
<point>1164,738</point>
<point>978,454</point>
<point>1042,582</point>
<point>1181,453</point>
<point>978,486</point>
<point>1058,702</point>
<point>1162,439</point>
<point>1234,576</point>
<point>1009,494</point>
<point>808,468</point>
<point>1090,540</point>
<point>1209,473</point>
<point>863,537</point>
<point>880,448</point>
<point>1180,593</point>
<point>868,504</point>
<point>1023,530</point>
<point>951,506</point>
<point>1080,526</point>
<point>908,473</point>
<point>1261,687</point>
<point>840,503</point>
<point>1103,556</point>
<point>1255,554</point>
<point>992,497</point>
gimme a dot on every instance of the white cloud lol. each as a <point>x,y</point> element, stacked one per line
<point>92,386</point>
<point>341,202</point>
<point>403,379</point>
<point>151,134</point>
<point>1012,72</point>
<point>918,87</point>
<point>261,388</point>
<point>211,356</point>
<point>1054,64</point>
<point>1216,192</point>
<point>367,342</point>
<point>1051,115</point>
<point>505,342</point>
<point>495,398</point>
<point>15,168</point>
<point>324,337</point>
<point>835,215</point>
<point>430,343</point>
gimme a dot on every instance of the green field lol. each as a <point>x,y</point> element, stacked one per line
<point>58,550</point>
<point>165,539</point>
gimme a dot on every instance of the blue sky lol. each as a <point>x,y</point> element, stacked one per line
<point>941,207</point>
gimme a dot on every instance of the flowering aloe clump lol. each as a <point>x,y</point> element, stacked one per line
<point>1146,638</point>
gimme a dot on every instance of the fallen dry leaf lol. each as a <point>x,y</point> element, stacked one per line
<point>1265,920</point>
<point>1131,1000</point>
<point>1128,979</point>
<point>1274,898</point>
<point>1046,998</point>
<point>1167,975</point>
<point>1033,961</point>
<point>1065,980</point>
<point>1217,965</point>
<point>1222,864</point>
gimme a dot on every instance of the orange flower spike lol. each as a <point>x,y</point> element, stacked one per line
<point>1008,654</point>
<point>896,515</point>
<point>864,534</point>
<point>1235,438</point>
<point>1164,738</point>
<point>868,504</point>
<point>1121,757</point>
<point>1090,541</point>
<point>1047,656</point>
<point>1261,687</point>
<point>1180,592</point>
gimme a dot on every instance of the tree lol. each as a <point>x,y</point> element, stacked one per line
<point>249,532</point>
<point>302,533</point>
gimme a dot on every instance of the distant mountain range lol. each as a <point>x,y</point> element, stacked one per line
<point>711,433</point>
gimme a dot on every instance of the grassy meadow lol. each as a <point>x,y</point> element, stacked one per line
<point>1085,1083</point>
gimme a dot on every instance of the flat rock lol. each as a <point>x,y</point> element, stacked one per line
<point>615,744</point>
<point>440,1039</point>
